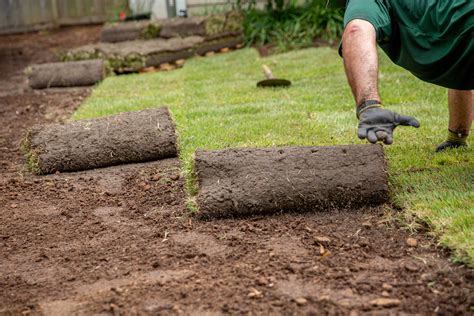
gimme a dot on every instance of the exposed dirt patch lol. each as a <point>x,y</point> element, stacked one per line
<point>21,111</point>
<point>204,244</point>
<point>118,241</point>
<point>19,51</point>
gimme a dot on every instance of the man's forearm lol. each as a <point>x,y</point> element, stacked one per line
<point>361,60</point>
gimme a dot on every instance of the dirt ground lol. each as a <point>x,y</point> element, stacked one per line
<point>118,241</point>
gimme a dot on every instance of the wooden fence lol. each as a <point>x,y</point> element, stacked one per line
<point>29,15</point>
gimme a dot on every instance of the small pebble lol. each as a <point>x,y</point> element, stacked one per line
<point>386,302</point>
<point>262,281</point>
<point>427,277</point>
<point>411,242</point>
<point>387,286</point>
<point>255,294</point>
<point>411,266</point>
<point>323,239</point>
<point>301,301</point>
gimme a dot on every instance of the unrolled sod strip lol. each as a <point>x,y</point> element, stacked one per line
<point>124,138</point>
<point>66,74</point>
<point>257,181</point>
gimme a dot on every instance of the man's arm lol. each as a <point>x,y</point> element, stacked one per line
<point>361,65</point>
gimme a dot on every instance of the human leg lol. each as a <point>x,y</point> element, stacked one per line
<point>461,114</point>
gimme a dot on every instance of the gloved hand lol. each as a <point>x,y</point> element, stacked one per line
<point>377,124</point>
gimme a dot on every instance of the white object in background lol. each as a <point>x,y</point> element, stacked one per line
<point>181,9</point>
<point>141,6</point>
<point>159,10</point>
<point>163,9</point>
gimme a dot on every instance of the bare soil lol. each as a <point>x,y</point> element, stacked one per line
<point>118,240</point>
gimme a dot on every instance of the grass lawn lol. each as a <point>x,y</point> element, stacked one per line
<point>216,105</point>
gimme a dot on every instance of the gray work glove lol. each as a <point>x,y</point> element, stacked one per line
<point>377,124</point>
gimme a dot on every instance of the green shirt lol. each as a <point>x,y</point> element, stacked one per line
<point>433,39</point>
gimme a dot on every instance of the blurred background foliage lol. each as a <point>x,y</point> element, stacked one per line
<point>290,24</point>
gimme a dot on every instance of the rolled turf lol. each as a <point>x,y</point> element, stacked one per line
<point>179,27</point>
<point>124,138</point>
<point>269,180</point>
<point>129,31</point>
<point>213,44</point>
<point>66,74</point>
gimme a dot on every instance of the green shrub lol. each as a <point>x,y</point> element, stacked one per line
<point>288,25</point>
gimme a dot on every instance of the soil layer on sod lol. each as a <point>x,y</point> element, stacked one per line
<point>129,31</point>
<point>70,74</point>
<point>214,44</point>
<point>124,138</point>
<point>202,26</point>
<point>265,180</point>
<point>179,27</point>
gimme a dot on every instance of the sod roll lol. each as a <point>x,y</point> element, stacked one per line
<point>124,138</point>
<point>261,181</point>
<point>213,45</point>
<point>129,31</point>
<point>69,74</point>
<point>183,27</point>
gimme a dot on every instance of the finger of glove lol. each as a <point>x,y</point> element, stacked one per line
<point>371,137</point>
<point>362,132</point>
<point>381,135</point>
<point>406,120</point>
<point>389,139</point>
